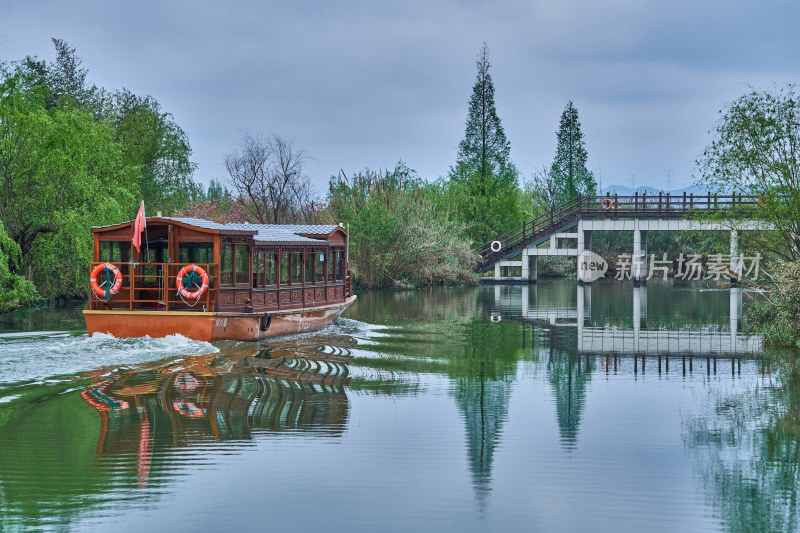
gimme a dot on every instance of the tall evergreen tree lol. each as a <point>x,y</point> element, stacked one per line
<point>484,149</point>
<point>569,166</point>
<point>484,181</point>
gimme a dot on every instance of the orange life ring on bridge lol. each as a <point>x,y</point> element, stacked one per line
<point>606,203</point>
<point>105,292</point>
<point>203,278</point>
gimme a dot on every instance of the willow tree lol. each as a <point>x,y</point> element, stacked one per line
<point>484,180</point>
<point>569,170</point>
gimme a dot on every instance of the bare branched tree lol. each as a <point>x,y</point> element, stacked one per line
<point>268,175</point>
<point>547,186</point>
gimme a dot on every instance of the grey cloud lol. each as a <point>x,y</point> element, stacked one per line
<point>365,83</point>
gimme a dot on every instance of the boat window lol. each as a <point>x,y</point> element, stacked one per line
<point>196,252</point>
<point>242,265</point>
<point>258,267</point>
<point>285,269</point>
<point>331,265</point>
<point>339,266</point>
<point>226,270</point>
<point>270,271</point>
<point>319,259</point>
<point>117,252</point>
<point>310,267</point>
<point>199,253</point>
<point>297,268</point>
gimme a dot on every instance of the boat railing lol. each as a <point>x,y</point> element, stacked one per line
<point>152,286</point>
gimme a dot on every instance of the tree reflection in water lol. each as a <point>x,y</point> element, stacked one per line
<point>747,448</point>
<point>568,376</point>
<point>483,375</point>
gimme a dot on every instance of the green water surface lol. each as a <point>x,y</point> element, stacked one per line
<point>545,407</point>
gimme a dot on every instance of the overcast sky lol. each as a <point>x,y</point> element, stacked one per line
<point>366,83</point>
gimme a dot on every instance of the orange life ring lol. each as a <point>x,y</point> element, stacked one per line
<point>107,292</point>
<point>606,203</point>
<point>193,294</point>
<point>761,200</point>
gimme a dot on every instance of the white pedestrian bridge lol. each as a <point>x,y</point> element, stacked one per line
<point>566,230</point>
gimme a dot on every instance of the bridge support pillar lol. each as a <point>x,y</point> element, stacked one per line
<point>735,265</point>
<point>639,258</point>
<point>525,265</point>
<point>581,306</point>
<point>529,267</point>
<point>637,317</point>
<point>584,242</point>
<point>497,271</point>
<point>579,251</point>
<point>736,304</point>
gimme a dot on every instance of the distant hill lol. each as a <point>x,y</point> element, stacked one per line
<point>627,191</point>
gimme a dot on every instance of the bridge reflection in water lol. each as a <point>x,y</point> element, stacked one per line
<point>677,332</point>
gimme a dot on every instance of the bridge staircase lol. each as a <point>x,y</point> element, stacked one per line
<point>637,207</point>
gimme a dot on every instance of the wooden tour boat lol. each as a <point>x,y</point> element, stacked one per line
<point>210,281</point>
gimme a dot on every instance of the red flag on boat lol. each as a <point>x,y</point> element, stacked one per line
<point>138,226</point>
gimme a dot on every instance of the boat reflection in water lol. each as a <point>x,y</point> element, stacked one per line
<point>145,413</point>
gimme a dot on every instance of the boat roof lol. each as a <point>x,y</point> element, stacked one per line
<point>262,233</point>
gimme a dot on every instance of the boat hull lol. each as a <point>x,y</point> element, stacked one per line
<point>212,326</point>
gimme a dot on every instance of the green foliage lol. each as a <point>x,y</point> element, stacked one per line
<point>487,206</point>
<point>64,79</point>
<point>73,156</point>
<point>568,170</point>
<point>216,191</point>
<point>15,290</point>
<point>755,152</point>
<point>399,238</point>
<point>59,169</point>
<point>484,183</point>
<point>778,319</point>
<point>154,144</point>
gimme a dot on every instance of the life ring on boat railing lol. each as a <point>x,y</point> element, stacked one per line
<point>266,320</point>
<point>107,292</point>
<point>496,246</point>
<point>606,203</point>
<point>185,271</point>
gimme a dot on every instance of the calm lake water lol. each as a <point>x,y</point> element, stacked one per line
<point>548,407</point>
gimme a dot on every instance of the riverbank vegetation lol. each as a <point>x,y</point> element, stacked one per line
<point>778,318</point>
<point>400,234</point>
<point>74,155</point>
<point>15,291</point>
<point>754,151</point>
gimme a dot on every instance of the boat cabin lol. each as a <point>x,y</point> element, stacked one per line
<point>251,268</point>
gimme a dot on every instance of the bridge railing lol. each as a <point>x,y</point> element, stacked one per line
<point>612,206</point>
